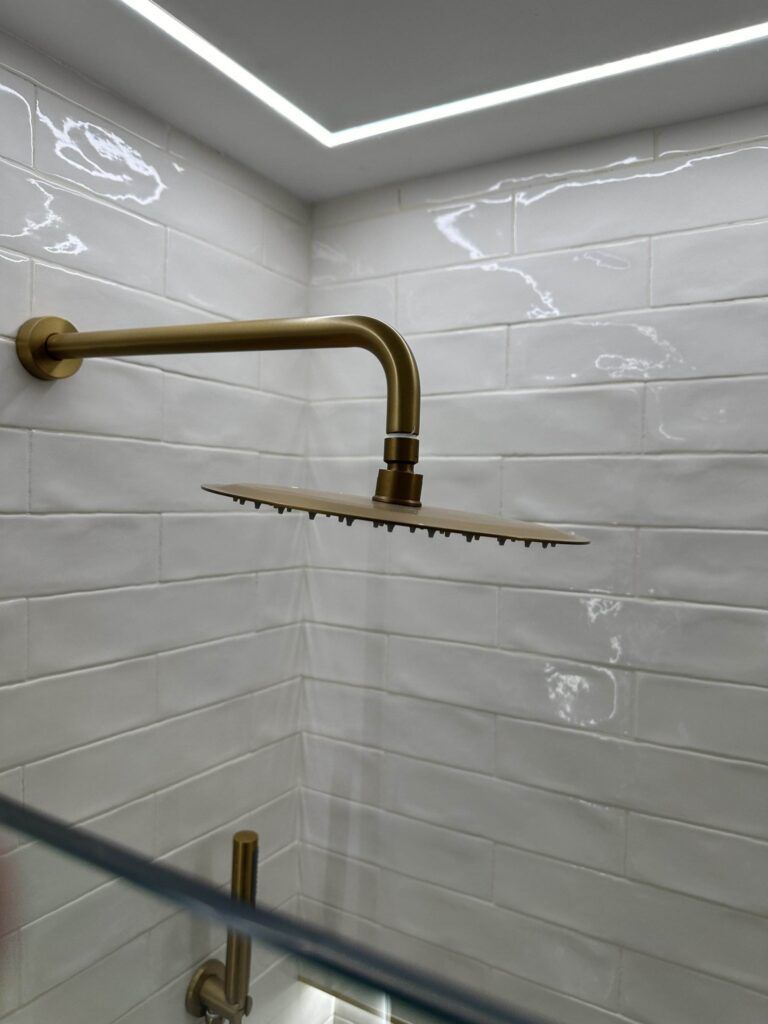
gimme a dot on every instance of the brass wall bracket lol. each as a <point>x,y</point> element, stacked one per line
<point>219,991</point>
<point>52,348</point>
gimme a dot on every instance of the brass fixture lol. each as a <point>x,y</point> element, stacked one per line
<point>219,991</point>
<point>51,348</point>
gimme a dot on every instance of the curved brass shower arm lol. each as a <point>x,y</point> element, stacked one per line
<point>52,348</point>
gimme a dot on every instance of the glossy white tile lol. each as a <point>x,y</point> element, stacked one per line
<point>643,918</point>
<point>721,718</point>
<point>412,240</point>
<point>507,175</point>
<point>55,223</point>
<point>714,865</point>
<point>723,566</point>
<point>711,132</point>
<point>523,288</point>
<point>712,415</point>
<point>201,275</point>
<point>643,345</point>
<point>17,100</point>
<point>669,195</point>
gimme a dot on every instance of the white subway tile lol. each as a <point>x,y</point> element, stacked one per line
<point>373,202</point>
<point>548,689</point>
<point>11,785</point>
<point>14,466</point>
<point>655,991</point>
<point>267,777</point>
<point>703,565</point>
<point>214,545</point>
<point>461,360</point>
<point>71,143</point>
<point>544,1002</point>
<point>10,968</point>
<point>15,290</point>
<point>55,223</point>
<point>721,718</point>
<point>694,787</point>
<point>414,848</point>
<point>202,275</point>
<point>697,639</point>
<point>344,655</point>
<point>239,665</point>
<point>340,769</point>
<point>331,546</point>
<point>275,713</point>
<point>17,98</point>
<point>202,412</point>
<point>13,640</point>
<point>94,778</point>
<point>506,175</point>
<point>286,245</point>
<point>711,132</point>
<point>643,345</point>
<point>47,879</point>
<point>712,415</point>
<point>104,397</point>
<point>108,987</point>
<point>53,554</point>
<point>674,490</point>
<point>671,194</point>
<point>88,474</point>
<point>523,288</point>
<point>365,298</point>
<point>701,862</point>
<point>397,605</point>
<point>604,567</point>
<point>36,719</point>
<point>722,263</point>
<point>281,596</point>
<point>341,882</point>
<point>534,949</point>
<point>480,805</point>
<point>75,937</point>
<point>436,732</point>
<point>238,176</point>
<point>413,240</point>
<point>582,421</point>
<point>108,625</point>
<point>640,917</point>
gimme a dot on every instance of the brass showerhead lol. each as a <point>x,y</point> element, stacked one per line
<point>51,348</point>
<point>346,508</point>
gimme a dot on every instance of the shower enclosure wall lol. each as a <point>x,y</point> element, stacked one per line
<point>544,776</point>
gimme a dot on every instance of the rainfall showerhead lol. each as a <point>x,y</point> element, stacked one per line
<point>51,348</point>
<point>346,508</point>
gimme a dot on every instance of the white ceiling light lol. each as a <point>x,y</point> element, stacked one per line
<point>200,46</point>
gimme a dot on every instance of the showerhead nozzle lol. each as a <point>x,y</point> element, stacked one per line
<point>346,508</point>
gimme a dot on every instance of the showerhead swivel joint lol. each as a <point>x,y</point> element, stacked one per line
<point>52,349</point>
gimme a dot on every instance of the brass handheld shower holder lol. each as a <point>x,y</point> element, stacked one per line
<point>52,348</point>
<point>219,991</point>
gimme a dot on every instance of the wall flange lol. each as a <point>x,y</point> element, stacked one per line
<point>32,348</point>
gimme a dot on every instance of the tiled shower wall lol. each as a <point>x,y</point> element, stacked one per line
<point>149,637</point>
<point>544,772</point>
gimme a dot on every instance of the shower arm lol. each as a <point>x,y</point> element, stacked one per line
<point>51,348</point>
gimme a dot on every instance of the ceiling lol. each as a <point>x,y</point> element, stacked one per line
<point>347,62</point>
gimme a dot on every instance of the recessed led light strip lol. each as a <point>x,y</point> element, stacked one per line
<point>212,55</point>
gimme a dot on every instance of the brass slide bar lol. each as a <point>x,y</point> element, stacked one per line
<point>52,348</point>
<point>219,991</point>
<point>446,999</point>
